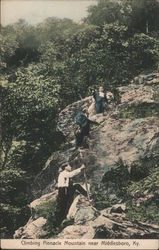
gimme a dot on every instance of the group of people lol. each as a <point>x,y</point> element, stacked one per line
<point>66,188</point>
<point>83,122</point>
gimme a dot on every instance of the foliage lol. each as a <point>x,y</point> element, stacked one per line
<point>8,48</point>
<point>140,194</point>
<point>146,212</point>
<point>148,184</point>
<point>12,217</point>
<point>144,52</point>
<point>143,167</point>
<point>14,211</point>
<point>54,29</point>
<point>143,16</point>
<point>105,12</point>
<point>100,197</point>
<point>140,16</point>
<point>147,188</point>
<point>113,187</point>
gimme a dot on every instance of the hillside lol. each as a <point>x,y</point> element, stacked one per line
<point>121,157</point>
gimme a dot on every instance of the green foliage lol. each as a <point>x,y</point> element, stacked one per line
<point>148,184</point>
<point>8,48</point>
<point>143,167</point>
<point>113,188</point>
<point>147,210</point>
<point>104,12</point>
<point>34,88</point>
<point>14,211</point>
<point>144,52</point>
<point>139,193</point>
<point>54,29</point>
<point>12,217</point>
<point>13,180</point>
<point>46,209</point>
<point>100,196</point>
<point>139,16</point>
<point>143,16</point>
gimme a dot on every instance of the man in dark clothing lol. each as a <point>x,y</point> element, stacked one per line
<point>66,191</point>
<point>82,129</point>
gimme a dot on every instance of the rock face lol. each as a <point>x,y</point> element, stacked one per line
<point>32,230</point>
<point>149,79</point>
<point>127,135</point>
<point>67,116</point>
<point>92,224</point>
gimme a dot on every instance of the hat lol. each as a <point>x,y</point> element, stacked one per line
<point>63,165</point>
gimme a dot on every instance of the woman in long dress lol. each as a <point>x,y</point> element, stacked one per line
<point>100,100</point>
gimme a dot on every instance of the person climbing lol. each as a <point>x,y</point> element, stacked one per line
<point>100,100</point>
<point>66,190</point>
<point>82,128</point>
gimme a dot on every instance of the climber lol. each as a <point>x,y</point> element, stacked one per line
<point>100,100</point>
<point>66,190</point>
<point>82,128</point>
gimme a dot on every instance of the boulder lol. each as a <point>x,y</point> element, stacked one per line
<point>81,210</point>
<point>67,115</point>
<point>73,209</point>
<point>45,181</point>
<point>118,208</point>
<point>107,226</point>
<point>32,230</point>
<point>47,197</point>
<point>135,95</point>
<point>147,78</point>
<point>77,232</point>
<point>84,214</point>
<point>123,139</point>
<point>43,198</point>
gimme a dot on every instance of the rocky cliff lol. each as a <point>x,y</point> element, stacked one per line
<point>121,157</point>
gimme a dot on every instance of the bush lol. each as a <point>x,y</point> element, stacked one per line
<point>143,200</point>
<point>113,188</point>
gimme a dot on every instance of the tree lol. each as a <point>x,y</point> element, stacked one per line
<point>105,12</point>
<point>138,16</point>
<point>144,16</point>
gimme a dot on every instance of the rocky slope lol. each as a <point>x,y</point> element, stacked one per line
<point>121,157</point>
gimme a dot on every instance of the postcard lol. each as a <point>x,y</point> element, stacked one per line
<point>79,124</point>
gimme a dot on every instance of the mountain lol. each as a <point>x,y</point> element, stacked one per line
<point>121,157</point>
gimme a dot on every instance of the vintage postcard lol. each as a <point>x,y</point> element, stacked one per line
<point>79,124</point>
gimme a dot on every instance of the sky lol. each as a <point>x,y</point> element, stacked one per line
<point>35,11</point>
